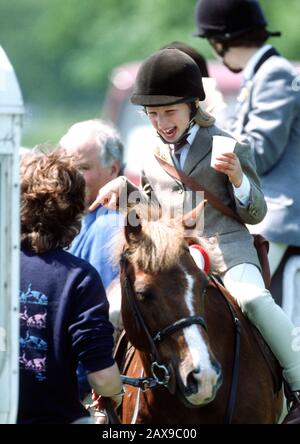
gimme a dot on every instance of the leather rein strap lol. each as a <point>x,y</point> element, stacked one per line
<point>236,358</point>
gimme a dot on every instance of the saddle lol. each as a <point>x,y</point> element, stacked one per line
<point>270,359</point>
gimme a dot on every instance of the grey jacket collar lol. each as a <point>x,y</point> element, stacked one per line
<point>198,150</point>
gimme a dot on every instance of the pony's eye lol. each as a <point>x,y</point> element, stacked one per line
<point>140,295</point>
<point>144,295</point>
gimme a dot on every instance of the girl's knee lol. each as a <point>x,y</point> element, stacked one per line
<point>257,304</point>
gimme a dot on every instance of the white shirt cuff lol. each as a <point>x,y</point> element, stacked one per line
<point>242,193</point>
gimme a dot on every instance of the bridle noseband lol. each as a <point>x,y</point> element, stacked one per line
<point>178,325</point>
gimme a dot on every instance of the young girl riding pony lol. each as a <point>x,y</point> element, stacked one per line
<point>169,88</point>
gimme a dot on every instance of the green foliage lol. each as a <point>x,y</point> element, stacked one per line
<point>284,16</point>
<point>64,50</point>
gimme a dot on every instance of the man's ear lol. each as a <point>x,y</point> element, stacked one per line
<point>114,169</point>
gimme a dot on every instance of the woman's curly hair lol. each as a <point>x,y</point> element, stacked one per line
<point>52,200</point>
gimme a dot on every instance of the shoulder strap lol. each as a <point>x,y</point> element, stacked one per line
<point>271,52</point>
<point>195,186</point>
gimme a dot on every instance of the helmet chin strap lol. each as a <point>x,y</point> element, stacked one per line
<point>222,52</point>
<point>234,70</point>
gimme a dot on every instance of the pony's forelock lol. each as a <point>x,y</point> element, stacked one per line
<point>160,244</point>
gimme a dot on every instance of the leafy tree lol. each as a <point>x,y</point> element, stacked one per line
<point>64,51</point>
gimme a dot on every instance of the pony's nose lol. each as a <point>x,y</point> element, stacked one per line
<point>194,378</point>
<point>193,381</point>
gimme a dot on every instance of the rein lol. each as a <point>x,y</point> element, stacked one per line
<point>236,357</point>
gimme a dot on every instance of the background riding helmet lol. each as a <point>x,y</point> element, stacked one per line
<point>167,77</point>
<point>192,52</point>
<point>225,20</point>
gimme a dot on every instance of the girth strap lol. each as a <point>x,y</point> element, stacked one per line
<point>236,358</point>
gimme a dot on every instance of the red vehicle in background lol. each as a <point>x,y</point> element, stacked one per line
<point>130,120</point>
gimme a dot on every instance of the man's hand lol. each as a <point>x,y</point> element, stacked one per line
<point>109,194</point>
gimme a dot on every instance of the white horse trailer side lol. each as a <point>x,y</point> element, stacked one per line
<point>11,112</point>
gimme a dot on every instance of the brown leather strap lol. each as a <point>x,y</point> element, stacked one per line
<point>195,186</point>
<point>260,243</point>
<point>262,247</point>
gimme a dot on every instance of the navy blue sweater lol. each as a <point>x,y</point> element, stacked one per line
<point>63,320</point>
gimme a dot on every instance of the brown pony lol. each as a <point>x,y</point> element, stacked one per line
<point>189,365</point>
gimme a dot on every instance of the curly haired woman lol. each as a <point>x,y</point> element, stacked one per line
<point>63,306</point>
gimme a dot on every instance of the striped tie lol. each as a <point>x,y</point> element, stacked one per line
<point>178,146</point>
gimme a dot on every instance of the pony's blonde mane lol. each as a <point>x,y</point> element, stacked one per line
<point>160,245</point>
<point>159,248</point>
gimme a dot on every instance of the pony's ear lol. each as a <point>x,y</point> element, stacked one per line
<point>191,218</point>
<point>133,226</point>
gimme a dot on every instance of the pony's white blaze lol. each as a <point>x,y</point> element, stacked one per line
<point>199,356</point>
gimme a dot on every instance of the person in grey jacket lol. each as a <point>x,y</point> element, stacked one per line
<point>169,87</point>
<point>267,112</point>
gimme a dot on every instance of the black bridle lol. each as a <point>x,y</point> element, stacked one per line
<point>161,374</point>
<point>155,339</point>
